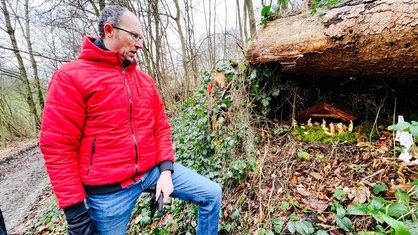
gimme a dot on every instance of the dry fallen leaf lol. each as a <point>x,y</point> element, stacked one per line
<point>317,204</point>
<point>294,179</point>
<point>302,191</point>
<point>322,218</point>
<point>361,194</point>
<point>316,175</point>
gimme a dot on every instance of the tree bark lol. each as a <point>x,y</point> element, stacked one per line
<point>191,41</point>
<point>251,17</point>
<point>28,38</point>
<point>362,38</point>
<point>183,46</point>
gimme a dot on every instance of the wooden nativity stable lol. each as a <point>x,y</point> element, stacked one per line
<point>354,40</point>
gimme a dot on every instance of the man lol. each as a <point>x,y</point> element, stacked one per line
<point>106,138</point>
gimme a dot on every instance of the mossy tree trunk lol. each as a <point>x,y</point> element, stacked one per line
<point>356,39</point>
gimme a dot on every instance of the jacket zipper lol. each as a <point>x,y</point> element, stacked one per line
<point>93,149</point>
<point>131,119</point>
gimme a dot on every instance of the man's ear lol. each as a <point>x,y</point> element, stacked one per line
<point>108,30</point>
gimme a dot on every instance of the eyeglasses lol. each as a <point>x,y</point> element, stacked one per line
<point>135,36</point>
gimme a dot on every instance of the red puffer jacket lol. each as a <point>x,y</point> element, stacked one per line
<point>101,125</point>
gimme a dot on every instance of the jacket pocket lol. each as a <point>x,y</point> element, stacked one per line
<point>93,149</point>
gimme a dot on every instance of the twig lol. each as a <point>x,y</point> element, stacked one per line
<point>259,182</point>
<point>372,175</point>
<point>294,109</point>
<point>393,131</point>
<point>375,120</point>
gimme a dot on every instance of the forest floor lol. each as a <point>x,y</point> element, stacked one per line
<point>283,176</point>
<point>300,180</point>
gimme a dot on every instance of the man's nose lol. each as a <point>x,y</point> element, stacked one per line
<point>138,44</point>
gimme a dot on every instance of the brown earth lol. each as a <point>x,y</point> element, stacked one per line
<point>23,183</point>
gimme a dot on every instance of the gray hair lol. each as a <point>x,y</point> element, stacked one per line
<point>110,15</point>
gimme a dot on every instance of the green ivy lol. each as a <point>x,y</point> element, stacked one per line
<point>400,215</point>
<point>319,5</point>
<point>268,12</point>
<point>406,126</point>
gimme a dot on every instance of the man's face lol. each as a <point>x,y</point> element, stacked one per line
<point>127,38</point>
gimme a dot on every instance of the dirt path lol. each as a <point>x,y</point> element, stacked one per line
<point>23,183</point>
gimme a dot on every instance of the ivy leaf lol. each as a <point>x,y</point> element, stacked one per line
<point>234,214</point>
<point>242,67</point>
<point>266,101</point>
<point>397,209</point>
<point>265,11</point>
<point>276,91</point>
<point>269,232</point>
<point>378,188</point>
<point>344,223</point>
<point>402,196</point>
<point>275,7</point>
<point>267,73</point>
<point>400,126</point>
<point>380,229</point>
<point>252,163</point>
<point>357,209</point>
<point>304,227</point>
<point>284,206</point>
<point>253,74</point>
<point>256,88</point>
<point>412,227</point>
<point>340,210</point>
<point>291,227</point>
<point>278,225</point>
<point>397,225</point>
<point>321,232</point>
<point>414,130</point>
<point>145,221</point>
<point>378,203</point>
<point>338,193</point>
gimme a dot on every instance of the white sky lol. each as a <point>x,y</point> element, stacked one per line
<point>225,11</point>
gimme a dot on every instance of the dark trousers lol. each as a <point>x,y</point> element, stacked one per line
<point>2,225</point>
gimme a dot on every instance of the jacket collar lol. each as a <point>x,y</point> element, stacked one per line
<point>94,49</point>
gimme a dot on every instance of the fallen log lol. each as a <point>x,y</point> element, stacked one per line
<point>360,38</point>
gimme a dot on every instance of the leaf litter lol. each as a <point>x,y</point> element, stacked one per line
<point>287,185</point>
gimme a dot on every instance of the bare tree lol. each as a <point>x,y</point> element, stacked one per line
<point>32,57</point>
<point>183,45</point>
<point>191,41</point>
<point>208,24</point>
<point>250,12</point>
<point>22,70</point>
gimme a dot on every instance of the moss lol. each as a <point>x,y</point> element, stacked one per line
<point>311,134</point>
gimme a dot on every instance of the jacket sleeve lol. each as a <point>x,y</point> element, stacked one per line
<point>162,133</point>
<point>61,130</point>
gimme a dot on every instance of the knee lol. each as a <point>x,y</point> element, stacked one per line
<point>216,192</point>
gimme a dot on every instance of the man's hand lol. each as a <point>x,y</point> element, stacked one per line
<point>165,185</point>
<point>82,225</point>
<point>156,203</point>
<point>79,221</point>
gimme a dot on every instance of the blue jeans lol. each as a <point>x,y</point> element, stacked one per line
<point>111,212</point>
